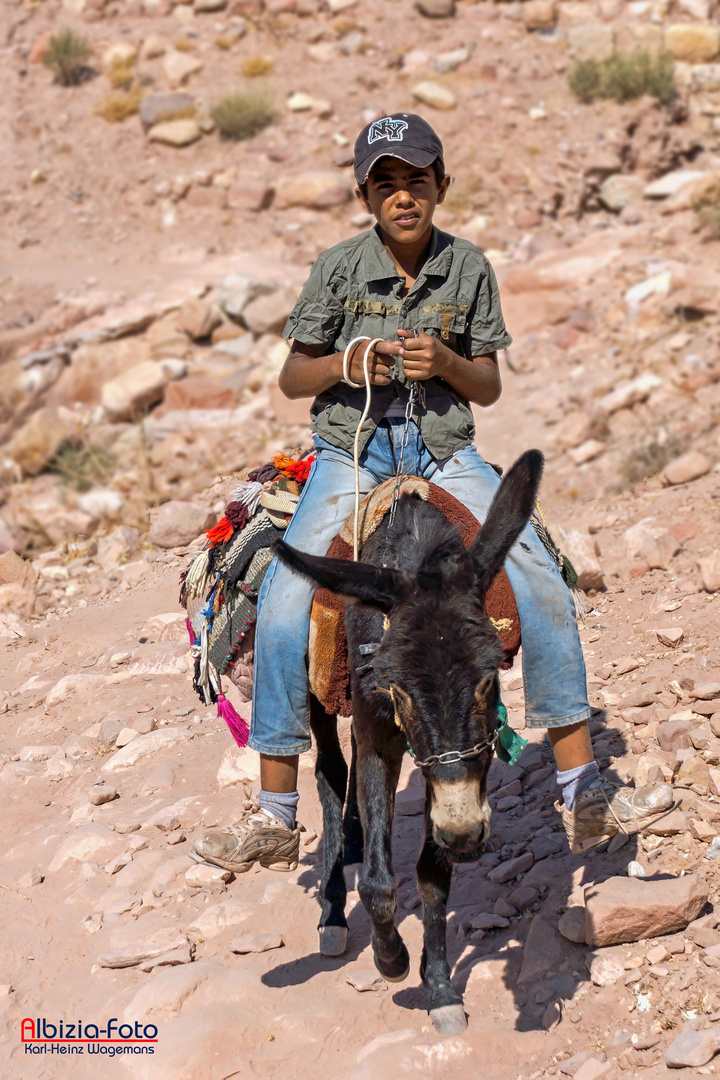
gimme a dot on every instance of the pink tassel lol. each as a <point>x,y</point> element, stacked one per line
<point>238,727</point>
<point>191,632</point>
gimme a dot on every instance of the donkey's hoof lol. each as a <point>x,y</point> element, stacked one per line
<point>396,970</point>
<point>333,940</point>
<point>449,1019</point>
<point>351,873</point>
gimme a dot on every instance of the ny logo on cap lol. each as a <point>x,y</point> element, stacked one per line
<point>392,130</point>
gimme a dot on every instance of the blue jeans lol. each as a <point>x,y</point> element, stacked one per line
<point>553,664</point>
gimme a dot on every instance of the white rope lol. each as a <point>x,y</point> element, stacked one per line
<point>356,447</point>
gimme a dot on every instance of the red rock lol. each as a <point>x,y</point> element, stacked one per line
<point>674,735</point>
<point>564,336</point>
<point>684,532</point>
<point>626,909</point>
<point>40,47</point>
<point>196,392</point>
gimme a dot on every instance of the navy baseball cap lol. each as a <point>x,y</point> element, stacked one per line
<point>403,135</point>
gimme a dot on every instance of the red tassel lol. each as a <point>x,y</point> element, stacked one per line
<point>220,533</point>
<point>238,727</point>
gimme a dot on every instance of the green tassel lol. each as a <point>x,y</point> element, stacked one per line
<point>509,745</point>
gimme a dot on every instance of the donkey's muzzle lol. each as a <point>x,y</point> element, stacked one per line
<point>460,816</point>
<point>466,845</point>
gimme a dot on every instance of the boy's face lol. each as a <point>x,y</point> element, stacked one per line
<point>403,198</point>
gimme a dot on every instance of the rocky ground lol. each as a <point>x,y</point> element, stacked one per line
<point>144,287</point>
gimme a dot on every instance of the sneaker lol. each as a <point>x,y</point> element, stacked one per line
<point>257,836</point>
<point>601,811</point>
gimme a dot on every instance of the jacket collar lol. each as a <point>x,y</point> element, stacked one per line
<point>378,266</point>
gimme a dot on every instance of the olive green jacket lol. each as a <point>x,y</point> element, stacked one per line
<point>354,288</point>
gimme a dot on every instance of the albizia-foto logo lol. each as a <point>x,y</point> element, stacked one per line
<point>41,1036</point>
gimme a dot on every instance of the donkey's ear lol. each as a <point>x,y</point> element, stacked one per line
<point>380,587</point>
<point>508,515</point>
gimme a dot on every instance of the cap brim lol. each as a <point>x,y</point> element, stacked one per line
<point>410,154</point>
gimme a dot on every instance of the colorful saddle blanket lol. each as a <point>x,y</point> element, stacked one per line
<point>328,655</point>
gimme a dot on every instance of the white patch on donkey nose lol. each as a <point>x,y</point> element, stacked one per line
<point>459,807</point>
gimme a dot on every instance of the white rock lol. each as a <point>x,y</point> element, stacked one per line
<point>91,842</point>
<point>145,745</point>
<point>216,918</point>
<point>658,283</point>
<point>257,942</point>
<point>365,979</point>
<point>435,95</point>
<point>134,391</point>
<point>606,970</point>
<point>165,995</point>
<point>202,876</point>
<point>630,394</point>
<point>125,736</point>
<point>179,66</point>
<point>237,765</point>
<point>671,183</point>
<point>71,684</point>
<point>131,944</point>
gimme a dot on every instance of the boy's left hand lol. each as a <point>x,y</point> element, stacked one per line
<point>423,356</point>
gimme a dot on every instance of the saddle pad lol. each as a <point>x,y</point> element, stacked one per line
<point>328,658</point>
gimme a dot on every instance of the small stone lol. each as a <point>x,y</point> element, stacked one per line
<point>510,869</point>
<point>218,917</point>
<point>636,869</point>
<point>593,1069</point>
<point>572,1064</point>
<point>364,979</point>
<point>688,466</point>
<point>177,523</point>
<point>657,954</point>
<point>671,636</point>
<point>40,438</point>
<point>501,907</point>
<point>125,736</point>
<point>102,793</point>
<point>582,550</point>
<point>319,190</point>
<point>198,318</point>
<point>572,924</point>
<point>258,942</point>
<point>435,95</point>
<point>130,945</point>
<point>488,921</point>
<point>691,1049</point>
<point>118,863</point>
<point>158,108</point>
<point>660,553</point>
<point>552,1015</point>
<point>626,909</point>
<point>606,970</point>
<point>175,132</point>
<point>268,314</point>
<point>710,571</point>
<point>523,897</point>
<point>129,395</point>
<point>618,191</point>
<point>539,14</point>
<point>179,66</point>
<point>202,877</point>
<point>31,878</point>
<point>144,725</point>
<point>693,44</point>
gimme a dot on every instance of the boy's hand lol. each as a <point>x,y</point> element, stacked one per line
<point>422,356</point>
<point>380,362</point>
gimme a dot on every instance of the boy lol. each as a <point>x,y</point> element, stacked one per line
<point>433,300</point>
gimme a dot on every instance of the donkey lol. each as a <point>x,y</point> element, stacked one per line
<point>424,659</point>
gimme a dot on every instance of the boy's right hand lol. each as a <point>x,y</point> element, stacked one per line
<point>380,362</point>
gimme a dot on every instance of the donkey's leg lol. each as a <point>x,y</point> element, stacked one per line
<point>434,871</point>
<point>331,774</point>
<point>352,826</point>
<point>378,770</point>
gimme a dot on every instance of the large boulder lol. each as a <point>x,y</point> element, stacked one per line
<point>268,314</point>
<point>624,909</point>
<point>317,190</point>
<point>176,523</point>
<point>239,290</point>
<point>38,441</point>
<point>134,391</point>
<point>693,43</point>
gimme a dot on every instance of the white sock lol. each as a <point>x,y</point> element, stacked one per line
<point>281,804</point>
<point>574,781</point>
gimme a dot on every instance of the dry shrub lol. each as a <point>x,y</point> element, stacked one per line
<point>649,459</point>
<point>66,56</point>
<point>242,115</point>
<point>226,41</point>
<point>183,44</point>
<point>120,76</point>
<point>82,466</point>
<point>254,66</point>
<point>624,77</point>
<point>118,105</point>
